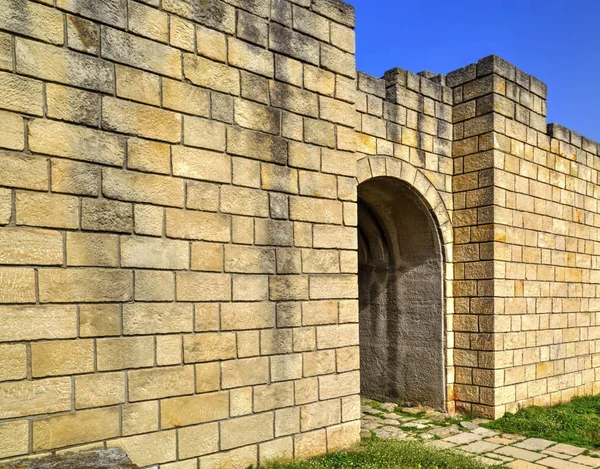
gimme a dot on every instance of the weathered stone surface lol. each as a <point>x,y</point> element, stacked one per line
<point>32,19</point>
<point>212,13</point>
<point>21,94</point>
<point>113,458</point>
<point>35,397</point>
<point>157,318</point>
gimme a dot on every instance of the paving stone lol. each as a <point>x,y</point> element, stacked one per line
<point>389,406</point>
<point>390,433</point>
<point>418,426</point>
<point>499,457</point>
<point>391,416</point>
<point>469,425</point>
<point>519,453</point>
<point>500,440</point>
<point>554,454</point>
<point>426,436</point>
<point>520,464</point>
<point>365,434</point>
<point>445,432</point>
<point>587,460</point>
<point>488,461</point>
<point>479,421</point>
<point>370,425</point>
<point>440,444</point>
<point>535,444</point>
<point>566,449</point>
<point>480,447</point>
<point>369,410</point>
<point>390,422</point>
<point>556,463</point>
<point>484,432</point>
<point>463,438</point>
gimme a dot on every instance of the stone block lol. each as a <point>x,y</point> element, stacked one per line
<point>310,444</point>
<point>211,44</point>
<point>240,458</point>
<point>287,421</point>
<point>137,85</point>
<point>243,201</point>
<point>157,318</point>
<point>208,377</point>
<point>256,145</point>
<point>191,410</point>
<point>35,397</point>
<point>333,286</point>
<point>24,246</point>
<point>148,22</point>
<point>91,249</point>
<point>209,347</point>
<point>21,284</point>
<point>111,12</point>
<point>76,142</point>
<point>184,97</point>
<point>182,34</point>
<point>125,353</point>
<point>195,286</point>
<point>141,417</point>
<point>13,362</point>
<point>281,449</point>
<point>152,448</point>
<point>198,225</point>
<point>21,94</point>
<point>286,367</point>
<point>337,336</point>
<point>141,120</point>
<point>33,20</point>
<point>152,253</point>
<point>158,383</point>
<point>293,99</point>
<point>204,133</point>
<point>249,57</point>
<point>106,215</point>
<point>247,372</point>
<point>198,440</point>
<point>343,436</point>
<point>83,35</point>
<point>241,316</point>
<point>149,220</point>
<point>66,357</point>
<point>246,430</point>
<point>256,117</point>
<point>288,287</point>
<point>213,13</point>
<point>207,257</point>
<point>99,390</point>
<point>60,65</point>
<point>71,177</point>
<point>293,44</point>
<point>85,285</point>
<point>14,438</point>
<point>212,75</point>
<point>339,385</point>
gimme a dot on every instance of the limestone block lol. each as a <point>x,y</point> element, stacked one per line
<point>32,19</point>
<point>202,164</point>
<point>66,357</point>
<point>243,201</point>
<point>286,367</point>
<point>333,286</point>
<point>337,336</point>
<point>89,249</point>
<point>13,362</point>
<point>256,117</point>
<point>256,145</point>
<point>247,372</point>
<point>148,22</point>
<point>241,259</point>
<point>12,132</point>
<point>156,318</point>
<point>306,390</point>
<point>20,94</point>
<point>88,285</point>
<point>204,133</point>
<point>207,257</point>
<point>75,178</point>
<point>5,206</point>
<point>135,51</point>
<point>169,350</point>
<point>250,288</point>
<point>71,429</point>
<point>186,98</point>
<point>211,43</point>
<point>141,120</point>
<point>203,196</point>
<point>6,58</point>
<point>252,58</point>
<point>252,29</point>
<point>334,237</point>
<point>273,396</point>
<point>112,11</point>
<point>148,156</point>
<point>202,408</point>
<point>198,440</point>
<point>35,397</point>
<point>125,353</point>
<point>192,286</point>
<point>154,253</point>
<point>344,384</point>
<point>310,444</point>
<point>141,417</point>
<point>209,347</point>
<point>288,287</point>
<point>273,232</point>
<point>198,225</point>
<point>137,85</point>
<point>35,322</point>
<point>240,458</point>
<point>19,286</point>
<point>241,401</point>
<point>181,34</point>
<point>152,448</point>
<point>293,99</point>
<point>106,215</point>
<point>98,390</point>
<point>83,35</point>
<point>212,75</point>
<point>347,359</point>
<point>212,13</point>
<point>320,414</point>
<point>246,430</point>
<point>14,438</point>
<point>76,142</point>
<point>158,383</point>
<point>320,261</point>
<point>343,436</point>
<point>315,210</point>
<point>60,65</point>
<point>208,376</point>
<point>149,220</point>
<point>287,421</point>
<point>257,7</point>
<point>30,246</point>
<point>280,449</point>
<point>293,44</point>
<point>206,317</point>
<point>241,316</point>
<point>304,156</point>
<point>319,363</point>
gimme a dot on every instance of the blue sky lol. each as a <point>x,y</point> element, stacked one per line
<point>556,41</point>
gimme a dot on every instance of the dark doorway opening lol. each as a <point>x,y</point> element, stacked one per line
<point>401,296</point>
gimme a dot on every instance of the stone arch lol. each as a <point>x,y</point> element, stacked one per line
<point>405,237</point>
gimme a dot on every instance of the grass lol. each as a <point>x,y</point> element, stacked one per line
<point>576,423</point>
<point>379,454</point>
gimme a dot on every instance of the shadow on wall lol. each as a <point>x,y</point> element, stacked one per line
<point>401,296</point>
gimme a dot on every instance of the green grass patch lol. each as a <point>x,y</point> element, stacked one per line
<point>576,423</point>
<point>379,454</point>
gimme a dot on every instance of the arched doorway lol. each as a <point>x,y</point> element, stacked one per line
<point>401,296</point>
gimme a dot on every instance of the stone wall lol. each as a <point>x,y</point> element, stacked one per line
<point>178,200</point>
<point>178,242</point>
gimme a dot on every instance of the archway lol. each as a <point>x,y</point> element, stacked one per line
<point>401,296</point>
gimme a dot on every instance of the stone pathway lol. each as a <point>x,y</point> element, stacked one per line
<point>389,421</point>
